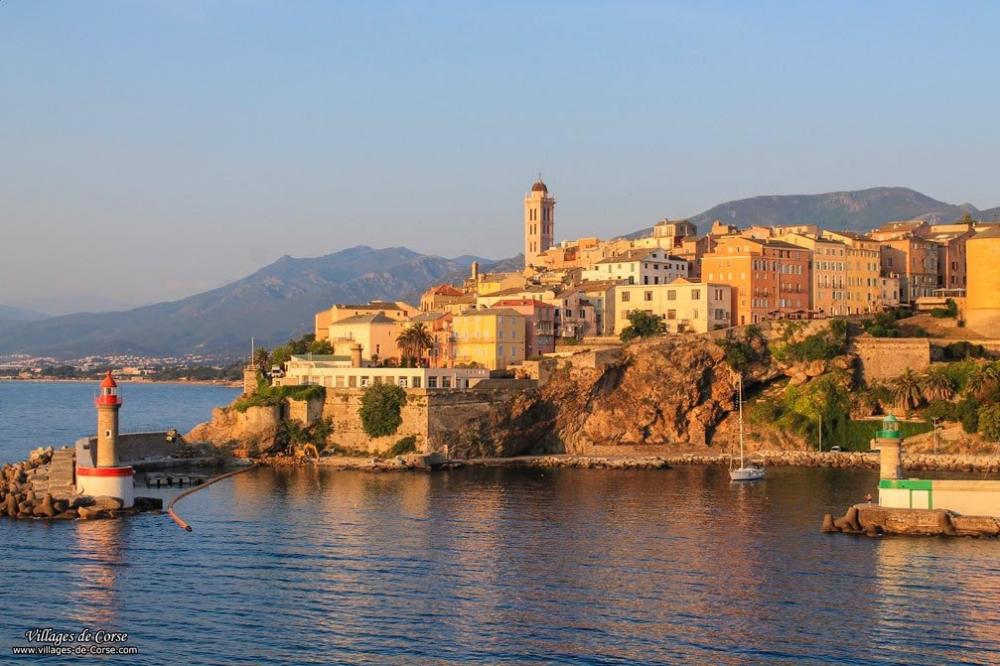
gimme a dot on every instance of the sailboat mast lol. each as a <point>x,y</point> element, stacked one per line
<point>740,398</point>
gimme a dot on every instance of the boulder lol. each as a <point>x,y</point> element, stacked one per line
<point>105,503</point>
<point>91,513</point>
<point>10,506</point>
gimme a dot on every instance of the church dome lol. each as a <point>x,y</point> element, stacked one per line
<point>539,186</point>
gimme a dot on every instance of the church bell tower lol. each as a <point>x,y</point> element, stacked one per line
<point>539,222</point>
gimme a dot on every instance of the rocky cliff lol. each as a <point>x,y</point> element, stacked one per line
<point>671,392</point>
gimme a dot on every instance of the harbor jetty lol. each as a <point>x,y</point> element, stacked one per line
<point>95,479</point>
<point>910,506</point>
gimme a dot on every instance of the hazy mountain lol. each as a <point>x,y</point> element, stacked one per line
<point>10,313</point>
<point>990,214</point>
<point>61,304</point>
<point>860,210</point>
<point>272,304</point>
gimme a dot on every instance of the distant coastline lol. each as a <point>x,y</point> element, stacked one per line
<point>186,382</point>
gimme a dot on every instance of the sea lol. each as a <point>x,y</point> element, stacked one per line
<point>488,566</point>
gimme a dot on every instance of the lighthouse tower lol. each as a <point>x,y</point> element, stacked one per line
<point>107,477</point>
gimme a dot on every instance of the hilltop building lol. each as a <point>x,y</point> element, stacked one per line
<point>683,305</point>
<point>770,279</point>
<point>639,266</point>
<point>539,222</point>
<point>982,304</point>
<point>492,338</point>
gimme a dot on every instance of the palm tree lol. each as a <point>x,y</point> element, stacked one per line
<point>413,341</point>
<point>936,385</point>
<point>262,359</point>
<point>422,339</point>
<point>982,381</point>
<point>906,390</point>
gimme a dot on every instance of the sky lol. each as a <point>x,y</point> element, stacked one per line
<point>153,149</point>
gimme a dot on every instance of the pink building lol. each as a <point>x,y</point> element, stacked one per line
<point>540,335</point>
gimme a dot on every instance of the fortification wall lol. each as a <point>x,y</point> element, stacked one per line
<point>434,417</point>
<point>885,358</point>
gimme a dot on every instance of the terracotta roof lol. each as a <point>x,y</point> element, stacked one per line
<point>539,186</point>
<point>491,311</point>
<point>446,290</point>
<point>522,301</point>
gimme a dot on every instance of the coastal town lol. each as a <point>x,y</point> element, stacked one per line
<point>673,281</point>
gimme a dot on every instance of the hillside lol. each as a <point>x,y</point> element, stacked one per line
<point>860,210</point>
<point>9,313</point>
<point>273,304</point>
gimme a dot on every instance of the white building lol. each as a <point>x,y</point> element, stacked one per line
<point>684,306</point>
<point>639,266</point>
<point>337,372</point>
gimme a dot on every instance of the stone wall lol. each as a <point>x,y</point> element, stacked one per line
<point>132,447</point>
<point>885,358</point>
<point>434,417</point>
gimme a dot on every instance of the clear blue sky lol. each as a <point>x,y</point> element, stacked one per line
<point>151,149</point>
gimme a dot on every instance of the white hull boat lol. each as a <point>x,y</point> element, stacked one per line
<point>746,471</point>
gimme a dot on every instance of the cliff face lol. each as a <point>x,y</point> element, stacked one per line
<point>667,392</point>
<point>251,432</point>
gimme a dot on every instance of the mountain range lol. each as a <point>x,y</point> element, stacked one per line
<point>860,210</point>
<point>279,300</point>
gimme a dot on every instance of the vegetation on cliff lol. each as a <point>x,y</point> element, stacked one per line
<point>272,396</point>
<point>381,407</point>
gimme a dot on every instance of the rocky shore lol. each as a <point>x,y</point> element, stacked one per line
<point>42,487</point>
<point>845,460</point>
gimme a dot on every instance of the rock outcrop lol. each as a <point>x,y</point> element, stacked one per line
<point>665,392</point>
<point>249,433</point>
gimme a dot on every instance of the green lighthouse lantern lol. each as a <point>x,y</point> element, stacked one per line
<point>890,428</point>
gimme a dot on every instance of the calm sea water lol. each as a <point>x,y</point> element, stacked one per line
<point>489,566</point>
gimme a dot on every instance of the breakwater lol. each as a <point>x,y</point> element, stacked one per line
<point>826,459</point>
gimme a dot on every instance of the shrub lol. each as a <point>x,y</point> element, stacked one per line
<point>271,396</point>
<point>989,422</point>
<point>967,411</point>
<point>406,444</point>
<point>957,351</point>
<point>381,406</point>
<point>642,325</point>
<point>949,310</point>
<point>941,410</point>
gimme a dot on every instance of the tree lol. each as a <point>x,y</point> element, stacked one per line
<point>381,407</point>
<point>906,390</point>
<point>413,341</point>
<point>983,382</point>
<point>262,359</point>
<point>642,325</point>
<point>936,385</point>
<point>320,347</point>
<point>989,422</point>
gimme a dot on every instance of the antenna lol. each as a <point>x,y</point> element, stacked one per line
<point>252,350</point>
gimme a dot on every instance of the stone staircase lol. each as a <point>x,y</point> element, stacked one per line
<point>60,482</point>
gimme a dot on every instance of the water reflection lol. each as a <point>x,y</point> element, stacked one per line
<point>98,560</point>
<point>490,566</point>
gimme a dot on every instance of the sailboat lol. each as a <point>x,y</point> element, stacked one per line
<point>746,471</point>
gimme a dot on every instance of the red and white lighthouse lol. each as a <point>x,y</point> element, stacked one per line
<point>106,476</point>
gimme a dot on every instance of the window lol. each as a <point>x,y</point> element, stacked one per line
<point>446,382</point>
<point>432,382</point>
<point>671,314</point>
<point>696,294</point>
<point>416,382</point>
<point>402,382</point>
<point>647,295</point>
<point>364,382</point>
<point>671,294</point>
<point>626,297</point>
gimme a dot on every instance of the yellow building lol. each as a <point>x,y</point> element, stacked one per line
<point>396,311</point>
<point>982,305</point>
<point>684,306</point>
<point>376,333</point>
<point>493,338</point>
<point>864,281</point>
